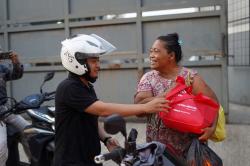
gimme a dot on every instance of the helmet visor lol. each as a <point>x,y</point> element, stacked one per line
<point>108,47</point>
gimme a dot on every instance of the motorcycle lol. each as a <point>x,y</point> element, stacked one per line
<point>38,138</point>
<point>148,154</point>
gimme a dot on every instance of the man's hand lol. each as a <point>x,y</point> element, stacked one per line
<point>111,144</point>
<point>14,57</point>
<point>156,105</point>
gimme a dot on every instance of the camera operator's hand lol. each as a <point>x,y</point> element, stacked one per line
<point>14,57</point>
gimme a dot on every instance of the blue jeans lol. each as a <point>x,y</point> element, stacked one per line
<point>19,123</point>
<point>3,144</point>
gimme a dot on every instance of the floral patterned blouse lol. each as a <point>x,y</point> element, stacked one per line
<point>156,130</point>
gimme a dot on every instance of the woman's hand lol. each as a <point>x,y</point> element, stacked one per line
<point>207,133</point>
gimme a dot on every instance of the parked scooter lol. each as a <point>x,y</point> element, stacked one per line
<point>39,136</point>
<point>148,154</point>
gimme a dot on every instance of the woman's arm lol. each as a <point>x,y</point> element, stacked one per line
<point>143,97</point>
<point>200,86</point>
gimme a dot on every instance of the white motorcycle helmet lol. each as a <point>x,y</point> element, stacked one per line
<point>75,51</point>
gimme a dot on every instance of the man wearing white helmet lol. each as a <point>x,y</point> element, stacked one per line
<point>78,134</point>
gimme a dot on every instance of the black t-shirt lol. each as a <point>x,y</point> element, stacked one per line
<point>77,140</point>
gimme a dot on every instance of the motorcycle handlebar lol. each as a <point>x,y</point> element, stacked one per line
<point>116,155</point>
<point>49,96</point>
<point>50,93</point>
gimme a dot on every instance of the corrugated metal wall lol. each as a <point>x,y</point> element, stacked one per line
<point>35,28</point>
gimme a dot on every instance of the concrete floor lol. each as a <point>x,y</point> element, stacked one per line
<point>239,114</point>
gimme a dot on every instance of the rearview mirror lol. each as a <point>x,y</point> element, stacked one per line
<point>114,124</point>
<point>49,76</point>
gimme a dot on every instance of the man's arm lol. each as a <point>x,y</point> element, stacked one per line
<point>104,109</point>
<point>102,133</point>
<point>145,97</point>
<point>78,98</point>
<point>109,142</point>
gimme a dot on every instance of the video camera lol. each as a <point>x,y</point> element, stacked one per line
<point>5,55</point>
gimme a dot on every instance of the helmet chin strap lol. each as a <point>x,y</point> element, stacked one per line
<point>89,78</point>
<point>87,75</point>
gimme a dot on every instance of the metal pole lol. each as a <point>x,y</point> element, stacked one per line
<point>139,39</point>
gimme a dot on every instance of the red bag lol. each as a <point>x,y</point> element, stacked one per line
<point>188,113</point>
